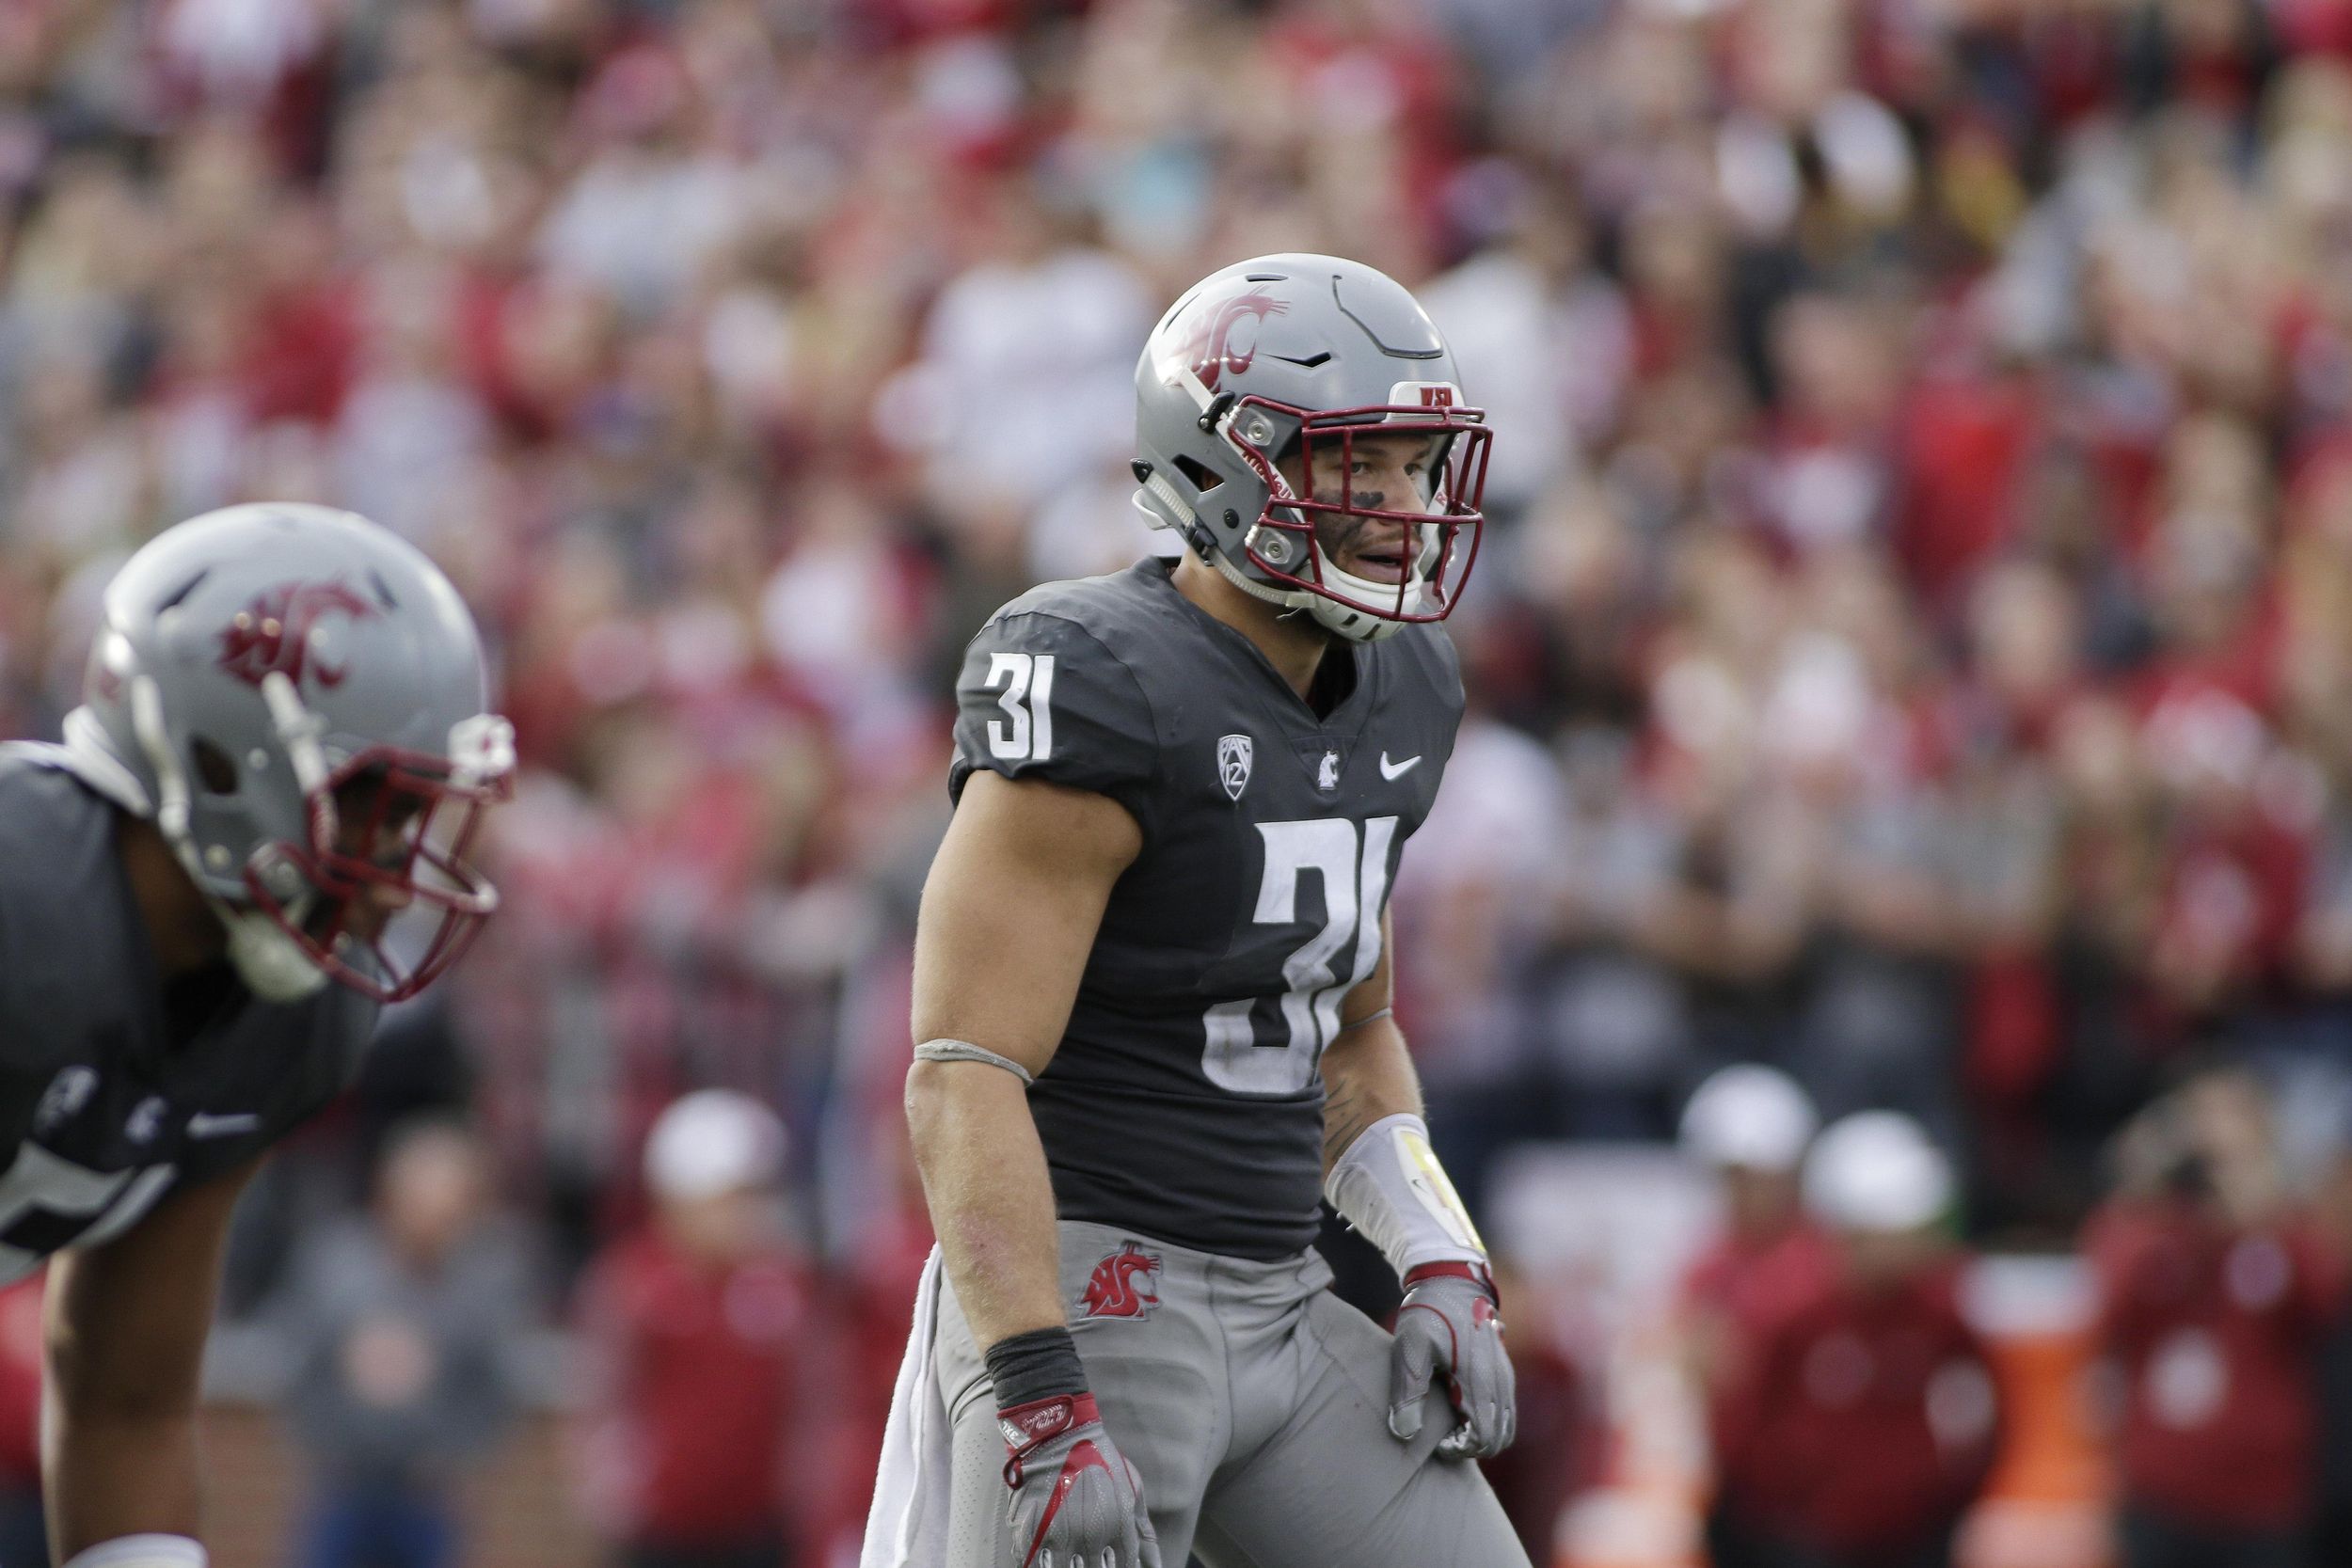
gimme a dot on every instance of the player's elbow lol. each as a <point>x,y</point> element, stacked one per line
<point>942,1097</point>
<point>927,1096</point>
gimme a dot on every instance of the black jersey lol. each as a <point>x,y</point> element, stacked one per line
<point>104,1107</point>
<point>1184,1101</point>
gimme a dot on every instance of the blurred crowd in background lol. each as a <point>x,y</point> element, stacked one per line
<point>1913,644</point>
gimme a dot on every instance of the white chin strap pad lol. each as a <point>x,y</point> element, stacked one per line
<point>1388,1185</point>
<point>141,1551</point>
<point>271,964</point>
<point>1357,626</point>
<point>1346,620</point>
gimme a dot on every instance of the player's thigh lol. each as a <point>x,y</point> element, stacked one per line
<point>1332,1489</point>
<point>1157,1404</point>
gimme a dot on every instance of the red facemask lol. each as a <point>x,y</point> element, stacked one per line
<point>1282,544</point>
<point>389,833</point>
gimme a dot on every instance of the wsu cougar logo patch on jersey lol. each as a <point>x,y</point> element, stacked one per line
<point>272,635</point>
<point>1124,1285</point>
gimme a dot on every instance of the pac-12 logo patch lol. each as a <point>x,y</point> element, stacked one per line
<point>1123,1285</point>
<point>1234,754</point>
<point>1327,773</point>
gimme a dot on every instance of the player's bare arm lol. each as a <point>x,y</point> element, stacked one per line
<point>1008,915</point>
<point>1367,1070</point>
<point>124,1332</point>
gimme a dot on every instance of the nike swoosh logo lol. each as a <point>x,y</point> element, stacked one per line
<point>205,1125</point>
<point>1398,769</point>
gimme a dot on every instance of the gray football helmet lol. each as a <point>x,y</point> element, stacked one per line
<point>1269,359</point>
<point>296,698</point>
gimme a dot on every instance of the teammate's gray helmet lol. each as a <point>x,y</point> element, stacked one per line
<point>296,698</point>
<point>1272,357</point>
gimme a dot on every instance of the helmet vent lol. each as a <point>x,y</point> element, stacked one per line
<point>174,600</point>
<point>383,590</point>
<point>1321,357</point>
<point>215,771</point>
<point>1265,278</point>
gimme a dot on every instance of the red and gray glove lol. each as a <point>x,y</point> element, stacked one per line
<point>1076,1502</point>
<point>1450,1325</point>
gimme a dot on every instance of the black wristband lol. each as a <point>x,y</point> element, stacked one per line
<point>1041,1363</point>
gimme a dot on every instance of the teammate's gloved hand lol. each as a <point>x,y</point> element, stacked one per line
<point>1076,1502</point>
<point>1448,1324</point>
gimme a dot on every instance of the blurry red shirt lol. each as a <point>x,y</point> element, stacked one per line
<point>2215,1334</point>
<point>703,1368</point>
<point>1750,1283</point>
<point>19,1385</point>
<point>1861,1423</point>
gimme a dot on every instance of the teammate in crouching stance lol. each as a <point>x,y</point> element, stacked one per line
<point>283,746</point>
<point>1152,989</point>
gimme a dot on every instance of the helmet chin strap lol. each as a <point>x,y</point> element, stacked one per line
<point>1340,620</point>
<point>271,963</point>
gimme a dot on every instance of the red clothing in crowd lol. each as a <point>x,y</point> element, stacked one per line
<point>2216,1334</point>
<point>701,1365</point>
<point>1864,1423</point>
<point>1751,1282</point>
<point>19,1385</point>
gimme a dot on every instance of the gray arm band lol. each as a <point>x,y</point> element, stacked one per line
<point>964,1050</point>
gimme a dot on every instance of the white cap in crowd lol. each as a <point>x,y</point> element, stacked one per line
<point>1752,1116</point>
<point>1877,1171</point>
<point>712,1142</point>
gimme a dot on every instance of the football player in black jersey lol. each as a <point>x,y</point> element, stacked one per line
<point>253,837</point>
<point>1151,991</point>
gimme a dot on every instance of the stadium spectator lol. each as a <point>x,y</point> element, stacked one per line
<point>1749,1126</point>
<point>402,1332</point>
<point>23,1533</point>
<point>2216,1297</point>
<point>698,1327</point>
<point>1865,1419</point>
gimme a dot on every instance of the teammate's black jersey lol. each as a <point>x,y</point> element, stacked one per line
<point>1184,1101</point>
<point>102,1115</point>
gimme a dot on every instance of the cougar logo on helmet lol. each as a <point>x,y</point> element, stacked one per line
<point>1124,1285</point>
<point>1211,351</point>
<point>272,635</point>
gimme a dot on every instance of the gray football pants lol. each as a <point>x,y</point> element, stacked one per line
<point>1254,1403</point>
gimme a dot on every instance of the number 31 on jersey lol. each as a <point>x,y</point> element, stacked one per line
<point>1027,696</point>
<point>1354,877</point>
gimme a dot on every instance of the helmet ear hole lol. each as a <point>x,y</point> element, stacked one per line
<point>213,768</point>
<point>1199,475</point>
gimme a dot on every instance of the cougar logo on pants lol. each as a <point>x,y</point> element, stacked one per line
<point>1124,1285</point>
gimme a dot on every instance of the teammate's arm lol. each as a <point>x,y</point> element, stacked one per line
<point>1008,915</point>
<point>1381,1174</point>
<point>124,1330</point>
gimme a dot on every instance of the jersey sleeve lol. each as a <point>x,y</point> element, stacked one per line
<point>1041,697</point>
